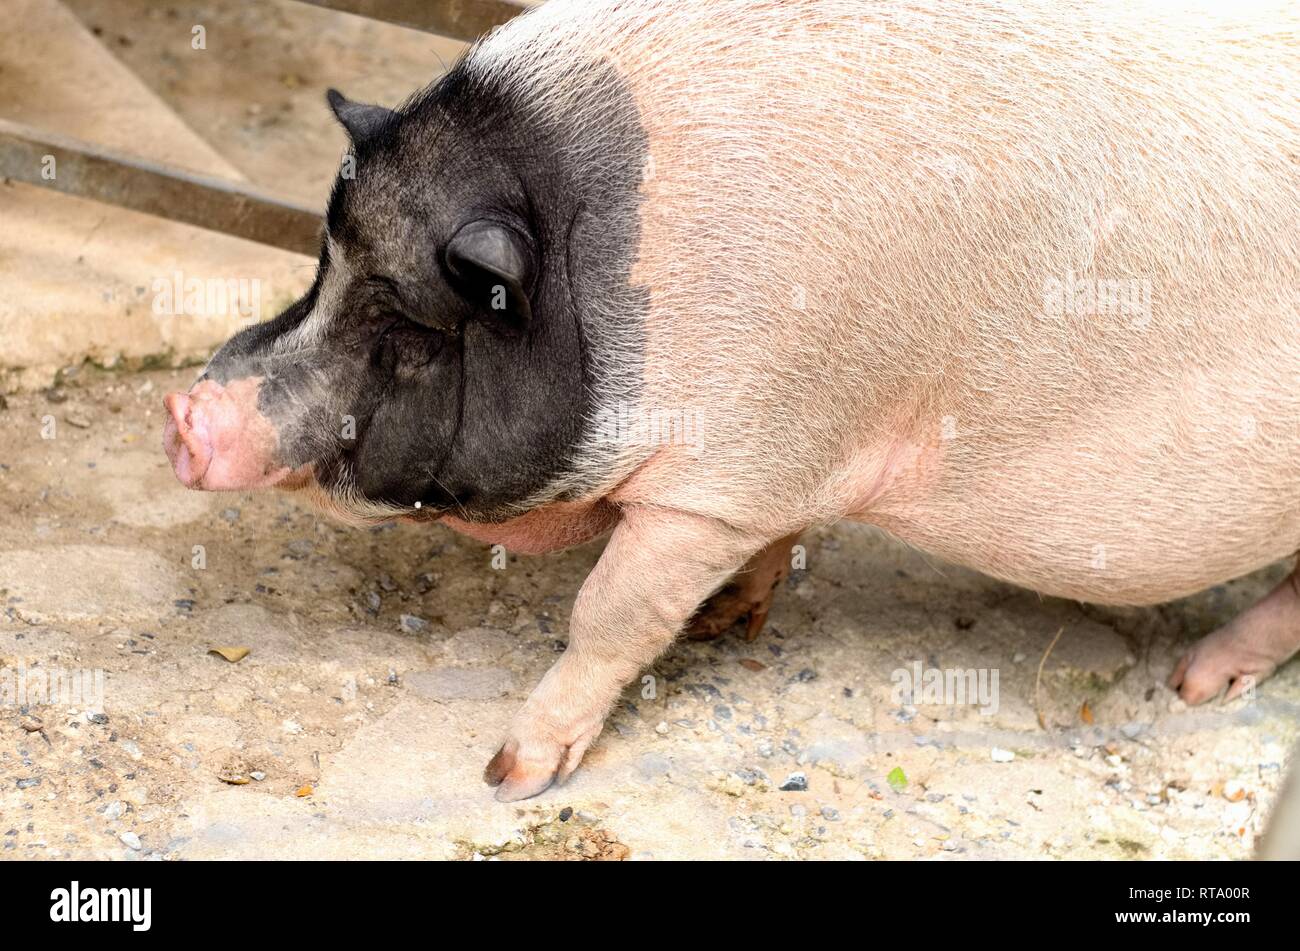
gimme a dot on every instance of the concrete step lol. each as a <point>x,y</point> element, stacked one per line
<point>85,281</point>
<point>56,75</point>
<point>257,92</point>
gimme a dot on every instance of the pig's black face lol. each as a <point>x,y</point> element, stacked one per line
<point>438,357</point>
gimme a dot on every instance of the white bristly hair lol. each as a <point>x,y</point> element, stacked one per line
<point>1017,281</point>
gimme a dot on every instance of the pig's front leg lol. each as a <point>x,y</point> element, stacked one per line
<point>657,568</point>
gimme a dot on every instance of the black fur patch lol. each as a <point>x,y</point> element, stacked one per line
<point>448,406</point>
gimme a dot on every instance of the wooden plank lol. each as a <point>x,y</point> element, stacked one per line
<point>79,168</point>
<point>462,19</point>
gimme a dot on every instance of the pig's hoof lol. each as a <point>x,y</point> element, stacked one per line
<point>522,768</point>
<point>716,616</point>
<point>1217,661</point>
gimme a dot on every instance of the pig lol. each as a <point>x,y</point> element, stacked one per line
<point>1018,284</point>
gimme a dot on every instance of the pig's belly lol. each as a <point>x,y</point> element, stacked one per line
<point>1105,516</point>
<point>548,528</point>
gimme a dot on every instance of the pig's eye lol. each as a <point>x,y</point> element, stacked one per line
<point>383,303</point>
<point>402,341</point>
<point>396,338</point>
<point>394,327</point>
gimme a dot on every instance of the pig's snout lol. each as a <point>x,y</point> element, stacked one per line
<point>216,438</point>
<point>187,448</point>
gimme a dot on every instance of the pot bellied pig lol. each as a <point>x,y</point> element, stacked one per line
<point>1017,282</point>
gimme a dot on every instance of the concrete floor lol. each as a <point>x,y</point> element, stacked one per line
<point>370,730</point>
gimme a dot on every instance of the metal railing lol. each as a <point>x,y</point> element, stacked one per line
<point>235,208</point>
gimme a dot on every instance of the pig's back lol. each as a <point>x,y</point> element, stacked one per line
<point>870,231</point>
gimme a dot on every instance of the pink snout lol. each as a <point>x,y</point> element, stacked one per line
<point>217,439</point>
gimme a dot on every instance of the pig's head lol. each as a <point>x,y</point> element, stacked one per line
<point>439,357</point>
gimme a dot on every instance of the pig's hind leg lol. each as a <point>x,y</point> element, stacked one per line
<point>747,595</point>
<point>657,568</point>
<point>1246,650</point>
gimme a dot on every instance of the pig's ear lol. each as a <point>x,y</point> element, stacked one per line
<point>493,266</point>
<point>361,120</point>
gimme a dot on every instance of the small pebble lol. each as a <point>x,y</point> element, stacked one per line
<point>412,624</point>
<point>258,775</point>
<point>662,728</point>
<point>1002,756</point>
<point>795,782</point>
<point>751,777</point>
<point>131,841</point>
